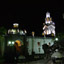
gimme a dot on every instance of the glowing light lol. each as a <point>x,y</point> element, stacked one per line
<point>22,32</point>
<point>12,42</point>
<point>56,39</point>
<point>15,25</point>
<point>47,14</point>
<point>25,31</point>
<point>9,42</point>
<point>12,31</point>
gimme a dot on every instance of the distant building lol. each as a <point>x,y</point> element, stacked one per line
<point>49,26</point>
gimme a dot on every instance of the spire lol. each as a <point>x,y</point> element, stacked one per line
<point>49,27</point>
<point>47,15</point>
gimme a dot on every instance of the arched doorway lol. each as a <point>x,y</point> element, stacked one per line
<point>18,44</point>
<point>21,49</point>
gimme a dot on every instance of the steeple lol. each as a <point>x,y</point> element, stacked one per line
<point>47,15</point>
<point>49,26</point>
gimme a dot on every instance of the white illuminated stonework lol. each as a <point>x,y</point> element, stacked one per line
<point>15,25</point>
<point>49,25</point>
<point>47,14</point>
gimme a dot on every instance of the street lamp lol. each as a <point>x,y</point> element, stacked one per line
<point>56,39</point>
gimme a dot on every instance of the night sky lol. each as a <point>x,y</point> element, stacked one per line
<point>32,16</point>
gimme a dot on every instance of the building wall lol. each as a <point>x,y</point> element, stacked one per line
<point>33,42</point>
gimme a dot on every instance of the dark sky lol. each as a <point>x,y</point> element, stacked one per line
<point>32,16</point>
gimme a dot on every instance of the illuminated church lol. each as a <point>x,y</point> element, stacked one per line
<point>30,43</point>
<point>36,42</point>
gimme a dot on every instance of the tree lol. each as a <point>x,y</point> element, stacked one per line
<point>60,41</point>
<point>3,31</point>
<point>60,36</point>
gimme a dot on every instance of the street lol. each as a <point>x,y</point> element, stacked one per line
<point>38,62</point>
